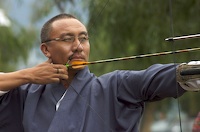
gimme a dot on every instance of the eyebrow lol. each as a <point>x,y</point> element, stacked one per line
<point>71,34</point>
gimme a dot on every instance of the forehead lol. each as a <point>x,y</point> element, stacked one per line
<point>67,25</point>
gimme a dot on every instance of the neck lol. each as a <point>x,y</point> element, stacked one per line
<point>71,74</point>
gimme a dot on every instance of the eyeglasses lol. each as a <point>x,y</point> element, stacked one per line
<point>70,39</point>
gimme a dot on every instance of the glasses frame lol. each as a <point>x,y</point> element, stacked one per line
<point>69,40</point>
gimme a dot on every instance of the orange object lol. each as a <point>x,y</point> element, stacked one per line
<point>196,125</point>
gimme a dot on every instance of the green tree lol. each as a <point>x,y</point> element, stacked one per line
<point>15,42</point>
<point>132,27</point>
<point>14,47</point>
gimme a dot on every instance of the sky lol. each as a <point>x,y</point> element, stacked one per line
<point>20,11</point>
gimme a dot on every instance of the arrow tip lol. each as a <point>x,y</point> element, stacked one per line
<point>169,39</point>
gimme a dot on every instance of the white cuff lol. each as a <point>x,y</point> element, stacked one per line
<point>3,92</point>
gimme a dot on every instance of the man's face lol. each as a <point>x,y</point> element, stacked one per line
<point>72,49</point>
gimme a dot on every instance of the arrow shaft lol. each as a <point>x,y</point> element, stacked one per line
<point>183,37</point>
<point>133,57</point>
<point>141,56</point>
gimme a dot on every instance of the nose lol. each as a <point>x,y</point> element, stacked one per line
<point>77,46</point>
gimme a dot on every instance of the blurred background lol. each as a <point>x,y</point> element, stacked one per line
<point>117,28</point>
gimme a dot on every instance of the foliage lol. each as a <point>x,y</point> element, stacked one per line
<point>16,41</point>
<point>14,46</point>
<point>134,27</point>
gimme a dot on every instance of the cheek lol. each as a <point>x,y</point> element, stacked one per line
<point>87,52</point>
<point>60,54</point>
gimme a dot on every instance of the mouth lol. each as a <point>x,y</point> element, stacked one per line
<point>77,58</point>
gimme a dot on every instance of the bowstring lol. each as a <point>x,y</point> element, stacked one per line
<point>98,15</point>
<point>87,103</point>
<point>174,60</point>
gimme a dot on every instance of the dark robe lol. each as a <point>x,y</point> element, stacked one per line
<point>111,102</point>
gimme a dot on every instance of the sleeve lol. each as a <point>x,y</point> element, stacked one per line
<point>155,83</point>
<point>11,109</point>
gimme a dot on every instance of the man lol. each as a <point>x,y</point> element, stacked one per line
<point>53,98</point>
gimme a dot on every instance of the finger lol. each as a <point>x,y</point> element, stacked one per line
<point>57,71</point>
<point>63,77</point>
<point>61,71</point>
<point>60,66</point>
<point>55,80</point>
<point>60,75</point>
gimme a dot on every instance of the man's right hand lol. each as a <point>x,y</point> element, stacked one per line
<point>43,73</point>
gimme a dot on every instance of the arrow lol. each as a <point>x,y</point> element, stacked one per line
<point>183,37</point>
<point>78,64</point>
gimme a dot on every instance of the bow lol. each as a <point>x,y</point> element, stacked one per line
<point>172,42</point>
<point>186,72</point>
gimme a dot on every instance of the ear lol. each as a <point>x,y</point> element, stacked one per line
<point>45,50</point>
